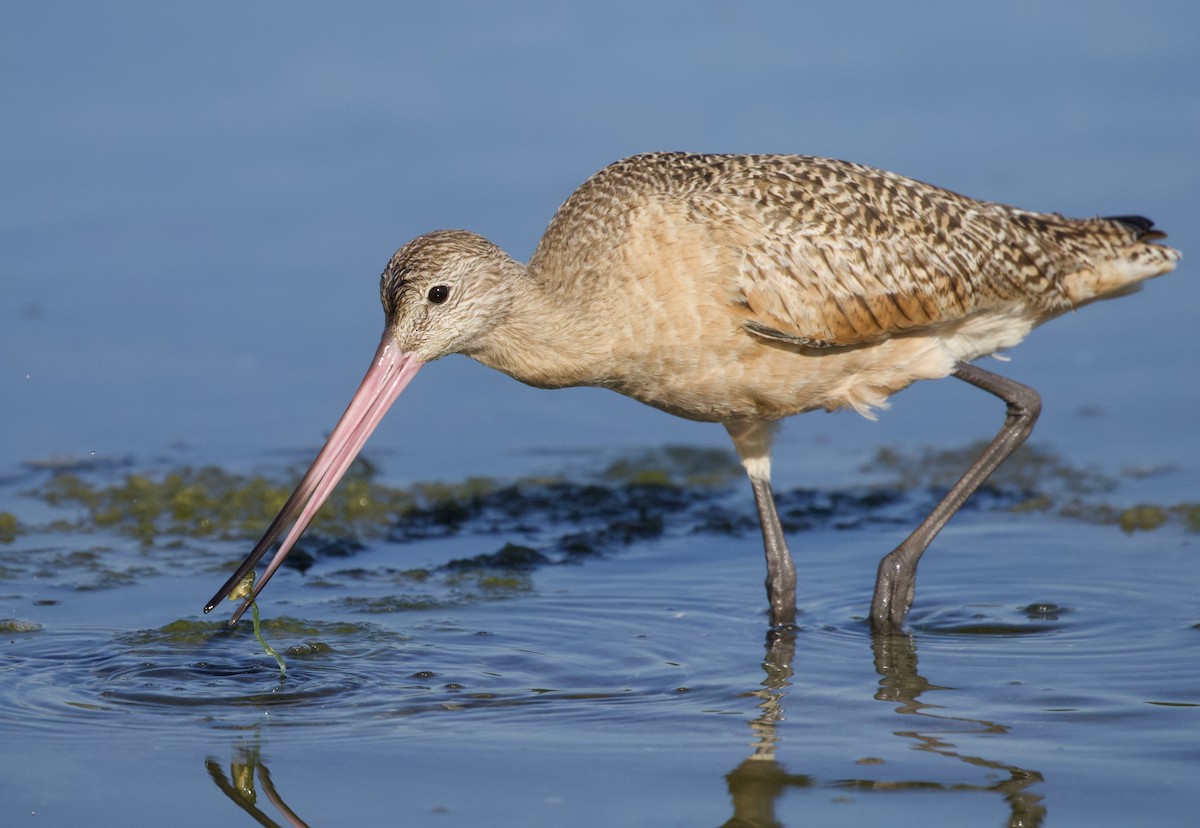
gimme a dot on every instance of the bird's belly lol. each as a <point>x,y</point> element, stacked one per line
<point>760,380</point>
<point>778,385</point>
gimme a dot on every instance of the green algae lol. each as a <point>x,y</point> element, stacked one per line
<point>1143,517</point>
<point>257,622</point>
<point>16,625</point>
<point>1036,481</point>
<point>1189,513</point>
<point>9,527</point>
<point>438,492</point>
<point>309,650</point>
<point>393,603</point>
<point>310,640</point>
<point>209,502</point>
<point>633,498</point>
<point>244,590</point>
<point>675,466</point>
<point>480,585</point>
<point>184,633</point>
<point>1029,469</point>
<point>198,518</point>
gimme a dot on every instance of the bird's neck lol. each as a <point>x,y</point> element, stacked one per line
<point>545,338</point>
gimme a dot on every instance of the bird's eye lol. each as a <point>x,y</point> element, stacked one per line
<point>439,294</point>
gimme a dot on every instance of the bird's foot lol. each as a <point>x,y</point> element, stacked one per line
<point>783,616</point>
<point>894,587</point>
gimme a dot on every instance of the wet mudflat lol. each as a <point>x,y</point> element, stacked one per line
<point>593,651</point>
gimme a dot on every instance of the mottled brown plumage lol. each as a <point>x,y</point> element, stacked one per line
<point>742,289</point>
<point>692,283</point>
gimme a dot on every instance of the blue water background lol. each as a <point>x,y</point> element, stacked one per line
<point>199,199</point>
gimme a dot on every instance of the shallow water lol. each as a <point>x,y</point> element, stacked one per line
<point>196,207</point>
<point>508,676</point>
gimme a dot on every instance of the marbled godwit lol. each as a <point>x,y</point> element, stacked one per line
<point>741,289</point>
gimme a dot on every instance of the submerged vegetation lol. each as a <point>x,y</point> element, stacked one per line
<point>143,524</point>
<point>212,502</point>
<point>1035,481</point>
<point>9,527</point>
<point>189,516</point>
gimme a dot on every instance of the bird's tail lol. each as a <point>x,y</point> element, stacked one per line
<point>1123,253</point>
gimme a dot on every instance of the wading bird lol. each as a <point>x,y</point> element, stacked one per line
<point>742,289</point>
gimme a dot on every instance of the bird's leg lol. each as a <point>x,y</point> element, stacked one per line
<point>898,570</point>
<point>753,443</point>
<point>781,570</point>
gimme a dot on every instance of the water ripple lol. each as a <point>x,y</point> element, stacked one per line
<point>202,673</point>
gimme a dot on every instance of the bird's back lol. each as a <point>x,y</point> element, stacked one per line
<point>821,252</point>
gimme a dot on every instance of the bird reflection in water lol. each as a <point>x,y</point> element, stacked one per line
<point>240,788</point>
<point>760,780</point>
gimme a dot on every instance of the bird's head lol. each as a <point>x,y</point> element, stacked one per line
<point>445,291</point>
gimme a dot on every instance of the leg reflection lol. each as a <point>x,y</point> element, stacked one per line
<point>759,781</point>
<point>896,662</point>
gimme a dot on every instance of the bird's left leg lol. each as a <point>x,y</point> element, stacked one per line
<point>897,576</point>
<point>752,439</point>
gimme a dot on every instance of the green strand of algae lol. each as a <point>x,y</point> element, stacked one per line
<point>243,591</point>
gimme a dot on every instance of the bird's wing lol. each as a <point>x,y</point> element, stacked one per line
<point>833,254</point>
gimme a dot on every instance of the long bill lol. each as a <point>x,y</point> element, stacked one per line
<point>389,373</point>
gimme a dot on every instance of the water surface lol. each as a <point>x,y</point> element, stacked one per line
<point>534,652</point>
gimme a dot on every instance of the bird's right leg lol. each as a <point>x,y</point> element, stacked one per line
<point>752,439</point>
<point>896,578</point>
